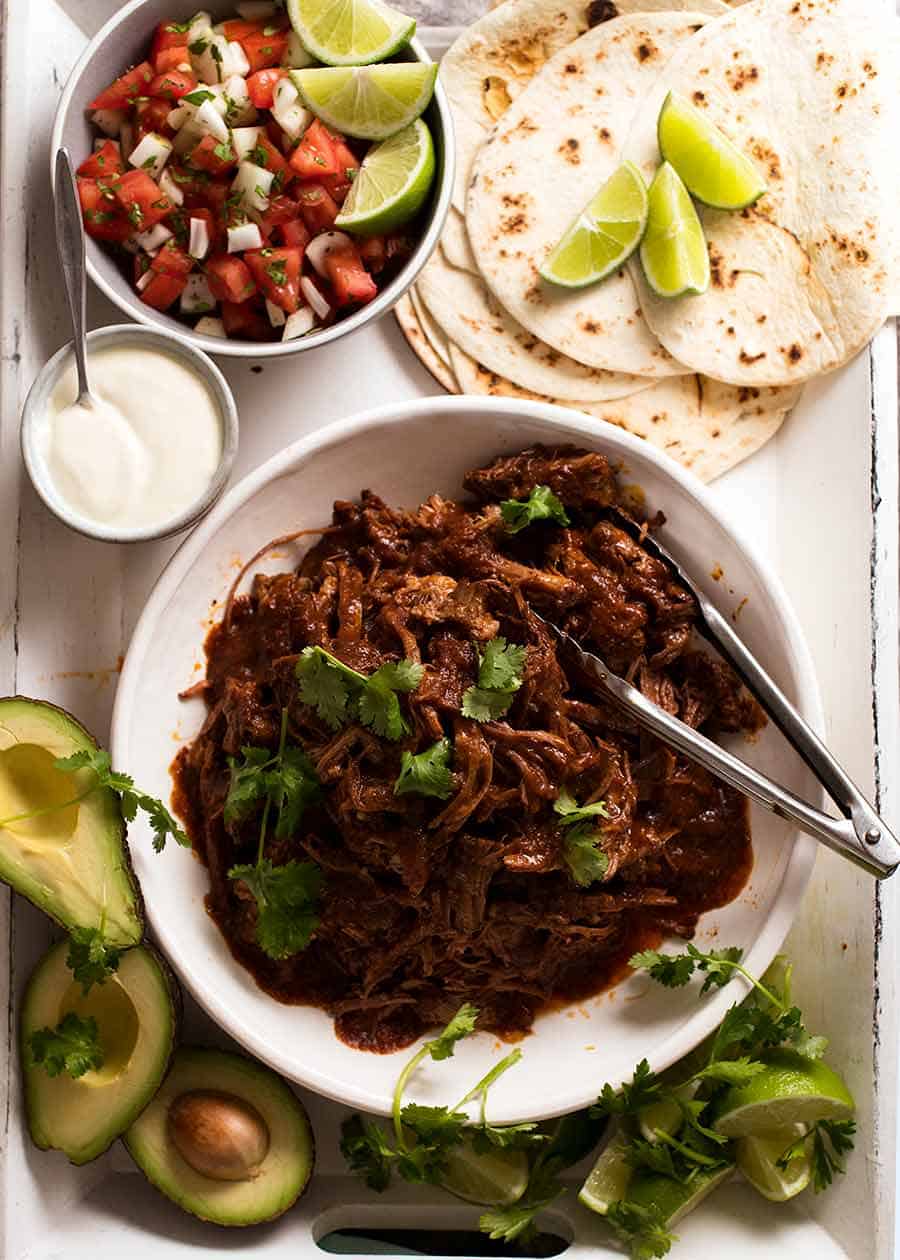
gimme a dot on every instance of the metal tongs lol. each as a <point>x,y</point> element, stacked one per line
<point>860,836</point>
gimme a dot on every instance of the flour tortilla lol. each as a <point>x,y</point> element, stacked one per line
<point>455,241</point>
<point>432,330</point>
<point>404,313</point>
<point>802,281</point>
<point>548,155</point>
<point>491,62</point>
<point>463,307</point>
<point>704,425</point>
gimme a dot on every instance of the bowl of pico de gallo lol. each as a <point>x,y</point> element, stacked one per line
<point>260,176</point>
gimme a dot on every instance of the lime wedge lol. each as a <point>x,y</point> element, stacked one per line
<point>607,231</point>
<point>665,1116</point>
<point>369,102</point>
<point>498,1178</point>
<point>673,252</point>
<point>350,32</point>
<point>792,1090</point>
<point>757,1158</point>
<point>712,168</point>
<point>608,1180</point>
<point>392,183</point>
<point>674,1199</point>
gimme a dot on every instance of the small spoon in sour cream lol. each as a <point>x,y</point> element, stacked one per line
<point>70,245</point>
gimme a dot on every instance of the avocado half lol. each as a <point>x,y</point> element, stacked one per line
<point>282,1167</point>
<point>136,1011</point>
<point>70,860</point>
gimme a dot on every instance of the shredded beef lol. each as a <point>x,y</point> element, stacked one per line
<point>428,903</point>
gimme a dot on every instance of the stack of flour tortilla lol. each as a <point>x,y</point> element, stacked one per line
<point>550,96</point>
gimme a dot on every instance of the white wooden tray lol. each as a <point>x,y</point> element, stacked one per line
<point>821,501</point>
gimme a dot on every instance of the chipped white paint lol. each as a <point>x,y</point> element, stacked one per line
<point>67,607</point>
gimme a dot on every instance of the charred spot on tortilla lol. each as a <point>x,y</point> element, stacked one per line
<point>604,134</point>
<point>590,326</point>
<point>793,353</point>
<point>601,11</point>
<point>569,150</point>
<point>747,392</point>
<point>767,157</point>
<point>513,223</point>
<point>574,67</point>
<point>749,359</point>
<point>645,50</point>
<point>739,77</point>
<point>761,319</point>
<point>700,99</point>
<point>495,96</point>
<point>824,59</point>
<point>869,70</point>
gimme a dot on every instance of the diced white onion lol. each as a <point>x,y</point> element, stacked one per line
<point>142,281</point>
<point>153,238</point>
<point>198,245</point>
<point>108,120</point>
<point>151,154</point>
<point>126,140</point>
<point>254,184</point>
<point>244,140</point>
<point>244,236</point>
<point>314,297</point>
<point>324,244</point>
<point>299,324</point>
<point>210,122</point>
<point>210,327</point>
<point>276,315</point>
<point>239,109</point>
<point>235,60</point>
<point>171,189</point>
<point>254,10</point>
<point>288,111</point>
<point>177,117</point>
<point>215,58</point>
<point>295,55</point>
<point>201,22</point>
<point>197,296</point>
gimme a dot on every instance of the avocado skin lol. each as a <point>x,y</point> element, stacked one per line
<point>172,1182</point>
<point>135,897</point>
<point>30,1076</point>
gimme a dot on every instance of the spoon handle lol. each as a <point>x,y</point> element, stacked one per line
<point>70,245</point>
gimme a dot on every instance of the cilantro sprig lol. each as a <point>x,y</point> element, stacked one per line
<point>500,668</point>
<point>831,1141</point>
<point>71,1048</point>
<point>286,896</point>
<point>91,959</point>
<point>340,694</point>
<point>131,798</point>
<point>586,862</point>
<point>541,505</point>
<point>426,773</point>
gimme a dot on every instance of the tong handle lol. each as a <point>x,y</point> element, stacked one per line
<point>863,837</point>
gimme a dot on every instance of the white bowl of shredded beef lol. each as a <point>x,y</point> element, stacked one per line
<point>453,812</point>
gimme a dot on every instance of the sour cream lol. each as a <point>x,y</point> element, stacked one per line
<point>145,452</point>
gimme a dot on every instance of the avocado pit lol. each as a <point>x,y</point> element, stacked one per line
<point>220,1135</point>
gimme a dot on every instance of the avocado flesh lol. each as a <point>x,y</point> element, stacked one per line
<point>284,1172</point>
<point>70,862</point>
<point>135,1010</point>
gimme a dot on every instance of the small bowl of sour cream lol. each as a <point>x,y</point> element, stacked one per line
<point>154,452</point>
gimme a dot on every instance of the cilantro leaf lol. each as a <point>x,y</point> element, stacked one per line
<point>71,1048</point>
<point>338,693</point>
<point>426,773</point>
<point>90,959</point>
<point>643,1089</point>
<point>131,798</point>
<point>325,685</point>
<point>656,1156</point>
<point>585,861</point>
<point>831,1141</point>
<point>509,1223</point>
<point>674,970</point>
<point>437,1130</point>
<point>642,1229</point>
<point>507,1137</point>
<point>541,505</point>
<point>367,1151</point>
<point>460,1026</point>
<point>671,970</point>
<point>571,812</point>
<point>248,783</point>
<point>292,785</point>
<point>286,898</point>
<point>731,1071</point>
<point>500,668</point>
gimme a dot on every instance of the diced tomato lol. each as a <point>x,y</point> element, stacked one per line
<point>191,183</point>
<point>105,162</point>
<point>240,28</point>
<point>294,234</point>
<point>317,207</point>
<point>373,252</point>
<point>349,278</point>
<point>141,199</point>
<point>246,321</point>
<point>264,50</point>
<point>171,85</point>
<point>153,115</point>
<point>277,275</point>
<point>314,156</point>
<point>210,155</point>
<point>172,59</point>
<point>215,198</point>
<point>229,278</point>
<point>125,90</point>
<point>163,290</point>
<point>172,260</point>
<point>280,210</point>
<point>261,86</point>
<point>340,184</point>
<point>103,217</point>
<point>265,154</point>
<point>166,40</point>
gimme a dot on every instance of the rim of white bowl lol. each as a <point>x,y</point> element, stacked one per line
<point>798,868</point>
<point>130,303</point>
